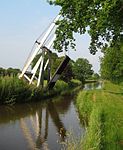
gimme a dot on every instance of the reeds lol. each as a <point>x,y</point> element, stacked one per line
<point>13,90</point>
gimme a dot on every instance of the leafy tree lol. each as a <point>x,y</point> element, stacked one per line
<point>68,74</point>
<point>12,71</point>
<point>9,72</point>
<point>55,62</point>
<point>102,19</point>
<point>53,57</point>
<point>82,69</point>
<point>112,63</point>
<point>2,71</point>
<point>95,76</point>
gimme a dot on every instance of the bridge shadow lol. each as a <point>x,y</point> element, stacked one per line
<point>52,112</point>
<point>57,121</point>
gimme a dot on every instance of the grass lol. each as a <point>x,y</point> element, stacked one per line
<point>76,82</point>
<point>60,86</point>
<point>103,112</point>
<point>71,143</point>
<point>13,90</point>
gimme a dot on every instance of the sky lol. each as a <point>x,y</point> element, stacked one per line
<point>21,23</point>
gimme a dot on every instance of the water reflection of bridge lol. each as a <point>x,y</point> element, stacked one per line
<point>40,124</point>
<point>36,135</point>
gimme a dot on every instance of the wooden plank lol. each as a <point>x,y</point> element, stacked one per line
<point>58,72</point>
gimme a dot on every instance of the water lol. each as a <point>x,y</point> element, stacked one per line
<point>41,125</point>
<point>92,86</point>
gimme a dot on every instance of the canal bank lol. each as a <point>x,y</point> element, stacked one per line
<point>102,110</point>
<point>13,90</point>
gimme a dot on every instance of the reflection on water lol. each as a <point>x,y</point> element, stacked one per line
<point>92,86</point>
<point>38,125</point>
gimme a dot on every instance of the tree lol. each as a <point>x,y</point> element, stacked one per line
<point>2,71</point>
<point>95,76</point>
<point>53,57</point>
<point>9,72</point>
<point>112,63</point>
<point>82,69</point>
<point>102,19</point>
<point>12,71</point>
<point>68,74</point>
<point>55,62</point>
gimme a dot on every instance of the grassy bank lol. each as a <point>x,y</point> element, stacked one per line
<point>13,90</point>
<point>102,110</point>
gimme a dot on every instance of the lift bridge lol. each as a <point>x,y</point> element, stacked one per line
<point>43,46</point>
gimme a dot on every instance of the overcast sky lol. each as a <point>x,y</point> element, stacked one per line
<point>21,23</point>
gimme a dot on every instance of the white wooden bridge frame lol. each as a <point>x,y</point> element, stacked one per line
<point>39,48</point>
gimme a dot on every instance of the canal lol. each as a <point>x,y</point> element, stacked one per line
<point>41,125</point>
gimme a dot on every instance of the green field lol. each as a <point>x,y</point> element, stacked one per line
<point>102,113</point>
